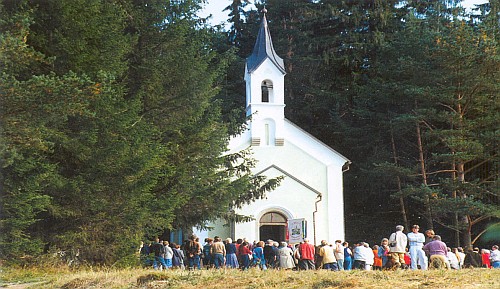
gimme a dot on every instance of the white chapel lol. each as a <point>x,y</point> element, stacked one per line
<point>309,201</point>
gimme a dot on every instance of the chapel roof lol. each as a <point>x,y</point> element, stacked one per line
<point>264,49</point>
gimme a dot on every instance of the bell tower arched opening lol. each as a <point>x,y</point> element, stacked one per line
<point>266,88</point>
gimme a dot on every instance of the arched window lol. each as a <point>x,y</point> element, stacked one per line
<point>266,90</point>
<point>273,218</point>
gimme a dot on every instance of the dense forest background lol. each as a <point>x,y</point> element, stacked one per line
<point>115,115</point>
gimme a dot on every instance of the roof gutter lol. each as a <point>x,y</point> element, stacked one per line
<point>320,197</point>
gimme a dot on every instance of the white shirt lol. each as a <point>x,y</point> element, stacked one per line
<point>369,257</point>
<point>462,258</point>
<point>495,256</point>
<point>416,239</point>
<point>453,260</point>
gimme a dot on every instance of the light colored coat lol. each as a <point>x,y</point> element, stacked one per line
<point>327,252</point>
<point>286,258</point>
<point>398,242</point>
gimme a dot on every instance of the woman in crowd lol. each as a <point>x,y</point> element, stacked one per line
<point>452,258</point>
<point>168,255</point>
<point>177,257</point>
<point>460,255</point>
<point>245,254</point>
<point>231,260</point>
<point>383,251</point>
<point>285,257</point>
<point>258,255</point>
<point>347,256</point>
<point>485,256</point>
<point>377,260</point>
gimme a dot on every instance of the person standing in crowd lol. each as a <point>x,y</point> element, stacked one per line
<point>218,251</point>
<point>269,254</point>
<point>207,256</point>
<point>460,253</point>
<point>417,255</point>
<point>359,257</point>
<point>452,258</point>
<point>285,257</point>
<point>495,257</point>
<point>347,256</point>
<point>296,256</point>
<point>339,254</point>
<point>177,256</point>
<point>473,258</point>
<point>397,243</point>
<point>383,251</point>
<point>239,241</point>
<point>193,251</point>
<point>159,251</point>
<point>277,254</point>
<point>429,236</point>
<point>258,255</point>
<point>244,253</point>
<point>169,254</point>
<point>145,253</point>
<point>306,252</point>
<point>438,252</point>
<point>231,260</point>
<point>369,256</point>
<point>327,254</point>
<point>377,261</point>
<point>485,258</point>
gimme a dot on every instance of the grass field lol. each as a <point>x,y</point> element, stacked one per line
<point>254,278</point>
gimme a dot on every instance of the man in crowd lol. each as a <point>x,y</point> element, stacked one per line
<point>438,252</point>
<point>218,251</point>
<point>306,252</point>
<point>159,251</point>
<point>495,257</point>
<point>193,251</point>
<point>416,241</point>
<point>397,243</point>
<point>269,254</point>
<point>339,254</point>
<point>328,254</point>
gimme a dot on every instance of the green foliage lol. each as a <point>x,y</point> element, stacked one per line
<point>115,115</point>
<point>110,128</point>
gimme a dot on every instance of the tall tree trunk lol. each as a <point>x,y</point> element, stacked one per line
<point>398,179</point>
<point>428,211</point>
<point>465,219</point>
<point>460,167</point>
<point>455,215</point>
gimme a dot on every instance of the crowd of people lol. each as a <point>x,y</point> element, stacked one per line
<point>414,251</point>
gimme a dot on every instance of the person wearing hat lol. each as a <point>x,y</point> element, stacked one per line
<point>398,242</point>
<point>416,241</point>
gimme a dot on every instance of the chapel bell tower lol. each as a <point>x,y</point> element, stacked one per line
<point>264,77</point>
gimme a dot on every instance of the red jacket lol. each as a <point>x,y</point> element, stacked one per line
<point>243,250</point>
<point>306,251</point>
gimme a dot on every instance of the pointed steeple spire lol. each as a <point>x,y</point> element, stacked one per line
<point>264,49</point>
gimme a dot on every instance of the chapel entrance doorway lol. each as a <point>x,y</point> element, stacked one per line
<point>273,225</point>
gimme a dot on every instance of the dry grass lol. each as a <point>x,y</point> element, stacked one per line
<point>149,279</point>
